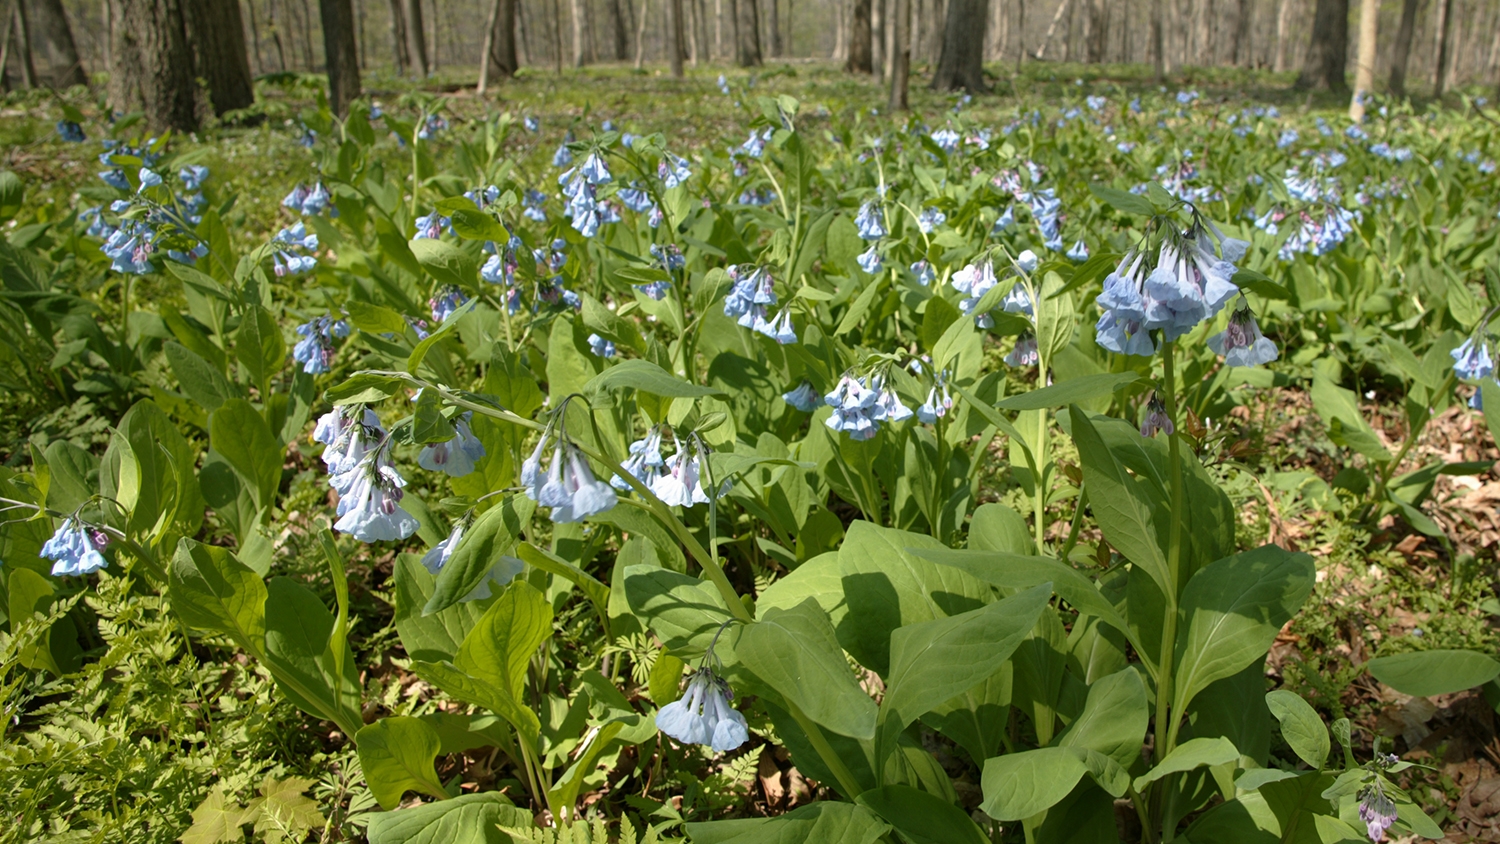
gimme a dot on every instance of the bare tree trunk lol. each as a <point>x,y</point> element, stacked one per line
<point>1094,28</point>
<point>431,36</point>
<point>339,51</point>
<point>690,23</point>
<point>5,41</point>
<point>859,39</point>
<point>1062,9</point>
<point>416,38</point>
<point>1440,69</point>
<point>1283,27</point>
<point>961,63</point>
<point>557,37</point>
<point>216,35</point>
<point>153,67</point>
<point>901,53</point>
<point>889,66</point>
<point>877,37</point>
<point>773,23</point>
<point>718,29</point>
<point>748,33</point>
<point>1157,47</point>
<point>255,60</point>
<point>64,67</point>
<point>1239,41</point>
<point>398,38</point>
<point>499,60</point>
<point>23,45</point>
<point>1323,68</point>
<point>1364,69</point>
<point>995,33</point>
<point>674,37</point>
<point>1020,33</point>
<point>840,31</point>
<point>640,34</point>
<point>575,14</point>
<point>307,42</point>
<point>619,28</point>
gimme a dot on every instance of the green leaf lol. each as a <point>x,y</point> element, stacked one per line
<point>684,612</point>
<point>239,433</point>
<point>920,817</point>
<point>1259,284</point>
<point>364,388</point>
<point>298,629</point>
<point>565,793</point>
<point>1119,504</point>
<point>796,653</point>
<point>467,819</point>
<point>434,637</point>
<point>419,353</point>
<point>1123,200</point>
<point>1114,718</point>
<point>1068,392</point>
<point>858,309</point>
<point>1438,672</point>
<point>824,822</point>
<point>57,649</point>
<point>283,811</point>
<point>213,591</point>
<point>396,755</point>
<point>1022,785</point>
<point>259,346</point>
<point>474,224</point>
<point>998,527</point>
<point>444,262</point>
<point>934,661</point>
<point>1232,610</point>
<point>1489,393</point>
<point>12,195</point>
<point>217,820</point>
<point>1346,425</point>
<point>591,587</point>
<point>198,378</point>
<point>493,535</point>
<point>374,318</point>
<point>647,377</point>
<point>1195,753</point>
<point>1301,727</point>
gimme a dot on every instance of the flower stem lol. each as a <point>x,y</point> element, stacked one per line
<point>847,783</point>
<point>1166,718</point>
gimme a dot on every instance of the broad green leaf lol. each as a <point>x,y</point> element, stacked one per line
<point>493,535</point>
<point>364,388</point>
<point>823,822</point>
<point>920,817</point>
<point>1438,672</point>
<point>1300,726</point>
<point>591,587</point>
<point>683,611</point>
<point>1346,424</point>
<point>282,809</point>
<point>1114,718</point>
<point>933,661</point>
<point>74,475</point>
<point>1069,392</point>
<point>1022,785</point>
<point>498,649</point>
<point>1195,753</point>
<point>1231,612</point>
<point>298,630</point>
<point>198,378</point>
<point>239,433</point>
<point>647,377</point>
<point>466,819</point>
<point>213,591</point>
<point>586,759</point>
<point>374,318</point>
<point>217,820</point>
<point>396,755</point>
<point>259,346</point>
<point>12,195</point>
<point>445,262</point>
<point>439,334</point>
<point>1120,506</point>
<point>434,637</point>
<point>1122,200</point>
<point>997,527</point>
<point>795,652</point>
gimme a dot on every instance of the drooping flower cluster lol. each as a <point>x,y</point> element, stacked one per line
<point>455,457</point>
<point>315,350</point>
<point>115,177</point>
<point>74,548</point>
<point>1156,418</point>
<point>308,201</point>
<point>1377,810</point>
<point>703,715</point>
<point>938,402</point>
<point>580,188</point>
<point>445,302</point>
<point>567,485</point>
<point>1322,222</point>
<point>1241,342</point>
<point>750,299</point>
<point>357,454</point>
<point>288,260</point>
<point>860,405</point>
<point>1472,362</point>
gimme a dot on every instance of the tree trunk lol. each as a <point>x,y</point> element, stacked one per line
<point>718,29</point>
<point>1323,68</point>
<point>690,26</point>
<point>674,37</point>
<point>431,35</point>
<point>339,51</point>
<point>618,28</point>
<point>1062,10</point>
<point>64,67</point>
<point>1439,70</point>
<point>398,38</point>
<point>575,10</point>
<point>877,37</point>
<point>256,62</point>
<point>900,53</point>
<point>773,25</point>
<point>840,32</point>
<point>23,45</point>
<point>748,33</point>
<point>1283,28</point>
<point>961,63</point>
<point>153,68</point>
<point>1094,28</point>
<point>1364,69</point>
<point>416,38</point>
<point>640,34</point>
<point>1239,40</point>
<point>860,60</point>
<point>216,36</point>
<point>500,60</point>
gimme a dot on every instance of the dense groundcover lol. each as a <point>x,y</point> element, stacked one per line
<point>628,459</point>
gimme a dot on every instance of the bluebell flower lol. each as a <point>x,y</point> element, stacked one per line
<point>74,549</point>
<point>192,176</point>
<point>779,327</point>
<point>347,440</point>
<point>673,170</point>
<point>645,463</point>
<point>149,179</point>
<point>563,157</point>
<point>297,236</point>
<point>924,272</point>
<point>669,257</point>
<point>870,260</point>
<point>1472,360</point>
<point>1241,343</point>
<point>804,397</point>
<point>751,294</point>
<point>445,302</point>
<point>723,85</point>
<point>531,124</point>
<point>1377,810</point>
<point>1018,300</point>
<point>758,197</point>
<point>870,222</point>
<point>439,554</point>
<point>1027,261</point>
<point>1025,352</point>
<point>938,402</point>
<point>115,178</point>
<point>636,199</point>
<point>974,281</point>
<point>457,456</point>
<point>571,489</point>
<point>129,248</point>
<point>1079,253</point>
<point>930,219</point>
<point>434,124</point>
<point>432,226</point>
<point>499,268</point>
<point>601,347</point>
<point>755,146</point>
<point>1155,419</point>
<point>946,139</point>
<point>1096,102</point>
<point>70,132</point>
<point>655,290</point>
<point>654,218</point>
<point>97,226</point>
<point>1122,327</point>
<point>308,138</point>
<point>189,257</point>
<point>703,715</point>
<point>532,204</point>
<point>1288,137</point>
<point>861,405</point>
<point>595,170</point>
<point>370,503</point>
<point>1190,284</point>
<point>1186,97</point>
<point>1135,105</point>
<point>1005,221</point>
<point>315,351</point>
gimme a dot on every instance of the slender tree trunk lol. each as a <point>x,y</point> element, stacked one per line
<point>1283,27</point>
<point>994,33</point>
<point>1440,68</point>
<point>153,67</point>
<point>748,33</point>
<point>339,52</point>
<point>5,42</point>
<point>618,28</point>
<point>216,35</point>
<point>674,37</point>
<point>640,34</point>
<point>840,31</point>
<point>1323,68</point>
<point>361,44</point>
<point>961,63</point>
<point>859,39</point>
<point>307,41</point>
<point>900,53</point>
<point>889,66</point>
<point>1239,40</point>
<point>1020,33</point>
<point>500,60</point>
<point>773,23</point>
<point>575,14</point>
<point>65,69</point>
<point>718,29</point>
<point>416,38</point>
<point>1364,69</point>
<point>398,38</point>
<point>431,36</point>
<point>23,46</point>
<point>1062,10</point>
<point>877,37</point>
<point>557,47</point>
<point>690,26</point>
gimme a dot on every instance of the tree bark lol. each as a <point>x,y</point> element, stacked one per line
<point>339,51</point>
<point>878,59</point>
<point>153,68</point>
<point>860,60</point>
<point>618,26</point>
<point>748,33</point>
<point>1440,68</point>
<point>674,37</point>
<point>900,53</point>
<point>1364,69</point>
<point>256,62</point>
<point>398,38</point>
<point>416,38</point>
<point>640,34</point>
<point>23,45</point>
<point>64,67</point>
<point>216,35</point>
<point>773,27</point>
<point>575,10</point>
<point>1239,39</point>
<point>961,63</point>
<point>500,60</point>
<point>1323,68</point>
<point>1283,26</point>
<point>1062,11</point>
